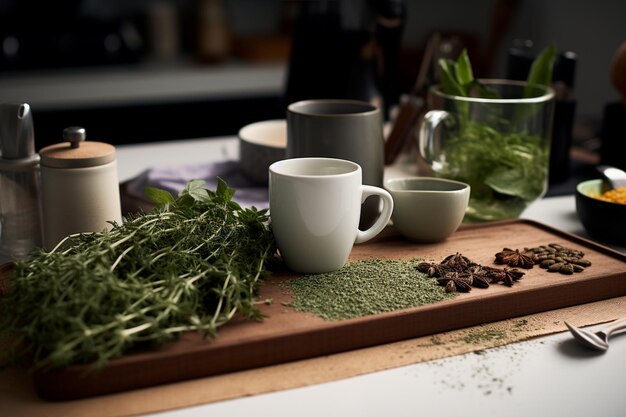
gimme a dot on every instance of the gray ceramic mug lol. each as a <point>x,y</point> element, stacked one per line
<point>343,129</point>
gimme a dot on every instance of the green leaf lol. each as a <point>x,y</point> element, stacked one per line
<point>541,69</point>
<point>234,206</point>
<point>485,91</point>
<point>449,82</point>
<point>199,194</point>
<point>158,196</point>
<point>185,200</point>
<point>223,190</point>
<point>511,181</point>
<point>195,190</point>
<point>194,185</point>
<point>463,69</point>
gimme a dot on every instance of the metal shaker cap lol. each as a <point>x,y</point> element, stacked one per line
<point>17,137</point>
<point>76,152</point>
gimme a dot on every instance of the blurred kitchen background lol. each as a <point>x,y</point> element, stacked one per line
<point>149,70</point>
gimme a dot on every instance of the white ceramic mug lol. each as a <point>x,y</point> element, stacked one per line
<point>315,205</point>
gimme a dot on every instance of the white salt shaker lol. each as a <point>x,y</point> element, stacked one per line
<point>80,189</point>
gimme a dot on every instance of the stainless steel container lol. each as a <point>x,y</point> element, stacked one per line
<point>80,189</point>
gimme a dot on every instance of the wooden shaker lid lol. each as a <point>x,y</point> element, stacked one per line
<point>76,152</point>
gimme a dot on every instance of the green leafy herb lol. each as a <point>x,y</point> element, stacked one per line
<point>158,196</point>
<point>506,170</point>
<point>457,78</point>
<point>191,265</point>
<point>505,165</point>
<point>449,81</point>
<point>463,69</point>
<point>541,69</point>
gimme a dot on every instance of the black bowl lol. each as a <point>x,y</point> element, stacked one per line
<point>603,220</point>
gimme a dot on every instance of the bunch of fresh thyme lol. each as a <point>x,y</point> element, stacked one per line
<point>190,265</point>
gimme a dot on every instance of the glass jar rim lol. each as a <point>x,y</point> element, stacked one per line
<point>546,96</point>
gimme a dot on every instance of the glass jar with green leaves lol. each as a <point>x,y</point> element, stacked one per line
<point>492,134</point>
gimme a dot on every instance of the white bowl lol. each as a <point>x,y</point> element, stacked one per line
<point>260,145</point>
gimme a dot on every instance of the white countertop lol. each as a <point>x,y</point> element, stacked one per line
<point>547,376</point>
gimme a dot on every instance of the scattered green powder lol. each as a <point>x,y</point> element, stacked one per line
<point>363,288</point>
<point>436,340</point>
<point>481,336</point>
<point>520,323</point>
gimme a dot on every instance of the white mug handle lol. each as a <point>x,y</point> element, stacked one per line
<point>383,218</point>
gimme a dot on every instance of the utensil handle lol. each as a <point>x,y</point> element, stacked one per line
<point>615,176</point>
<point>612,327</point>
<point>402,128</point>
<point>383,218</point>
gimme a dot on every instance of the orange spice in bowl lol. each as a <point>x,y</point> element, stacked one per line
<point>615,195</point>
<point>603,220</point>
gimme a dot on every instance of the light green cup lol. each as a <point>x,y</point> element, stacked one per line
<point>427,209</point>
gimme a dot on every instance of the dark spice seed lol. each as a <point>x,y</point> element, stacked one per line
<point>555,267</point>
<point>557,258</point>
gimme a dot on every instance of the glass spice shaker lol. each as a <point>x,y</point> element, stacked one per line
<point>20,205</point>
<point>80,189</point>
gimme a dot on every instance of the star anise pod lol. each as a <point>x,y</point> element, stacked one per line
<point>478,277</point>
<point>514,273</point>
<point>507,276</point>
<point>456,262</point>
<point>430,269</point>
<point>454,281</point>
<point>514,258</point>
<point>494,275</point>
<point>459,274</point>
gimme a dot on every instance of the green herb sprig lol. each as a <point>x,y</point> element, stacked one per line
<point>457,78</point>
<point>505,164</point>
<point>192,264</point>
<point>541,69</point>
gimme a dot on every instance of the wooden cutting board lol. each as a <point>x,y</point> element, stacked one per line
<point>287,335</point>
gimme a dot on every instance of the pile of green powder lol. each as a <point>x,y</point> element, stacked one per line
<point>363,288</point>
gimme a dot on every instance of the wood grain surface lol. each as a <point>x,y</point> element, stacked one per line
<point>287,335</point>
